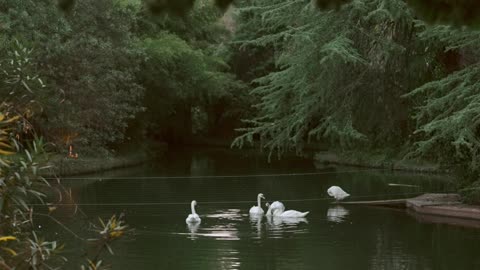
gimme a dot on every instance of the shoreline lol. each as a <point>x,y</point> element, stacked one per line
<point>378,161</point>
<point>445,208</point>
<point>63,166</point>
<point>429,208</point>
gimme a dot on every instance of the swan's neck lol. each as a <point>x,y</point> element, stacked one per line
<point>193,209</point>
<point>259,201</point>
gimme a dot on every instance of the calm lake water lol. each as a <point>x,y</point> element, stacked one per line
<point>331,237</point>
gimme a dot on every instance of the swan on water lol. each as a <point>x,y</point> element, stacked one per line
<point>337,192</point>
<point>257,210</point>
<point>274,205</point>
<point>278,210</point>
<point>278,221</point>
<point>193,217</point>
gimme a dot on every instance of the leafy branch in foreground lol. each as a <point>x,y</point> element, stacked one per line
<point>107,232</point>
<point>20,184</point>
<point>25,194</point>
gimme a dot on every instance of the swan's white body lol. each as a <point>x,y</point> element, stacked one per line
<point>257,210</point>
<point>289,213</point>
<point>277,221</point>
<point>277,209</point>
<point>193,217</point>
<point>337,192</point>
<point>274,205</point>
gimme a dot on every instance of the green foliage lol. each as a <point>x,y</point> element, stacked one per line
<point>21,85</point>
<point>107,232</point>
<point>337,71</point>
<point>88,62</point>
<point>450,114</point>
<point>471,193</point>
<point>200,28</point>
<point>95,61</point>
<point>186,76</point>
<point>454,12</point>
<point>330,4</point>
<point>447,114</point>
<point>22,184</point>
<point>179,7</point>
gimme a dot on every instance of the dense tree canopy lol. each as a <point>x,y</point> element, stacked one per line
<point>336,72</point>
<point>89,62</point>
<point>104,62</point>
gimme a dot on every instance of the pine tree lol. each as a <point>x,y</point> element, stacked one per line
<point>340,73</point>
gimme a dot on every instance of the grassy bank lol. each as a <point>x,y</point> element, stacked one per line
<point>64,166</point>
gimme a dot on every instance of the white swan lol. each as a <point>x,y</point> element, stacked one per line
<point>337,192</point>
<point>193,217</point>
<point>257,210</point>
<point>289,213</point>
<point>277,221</point>
<point>278,210</point>
<point>274,205</point>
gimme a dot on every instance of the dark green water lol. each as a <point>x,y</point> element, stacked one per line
<point>331,237</point>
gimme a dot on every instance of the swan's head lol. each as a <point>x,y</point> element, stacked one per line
<point>260,195</point>
<point>267,204</point>
<point>194,203</point>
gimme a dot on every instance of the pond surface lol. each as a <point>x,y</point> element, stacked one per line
<point>331,237</point>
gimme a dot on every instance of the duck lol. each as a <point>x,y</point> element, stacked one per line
<point>257,210</point>
<point>337,192</point>
<point>193,217</point>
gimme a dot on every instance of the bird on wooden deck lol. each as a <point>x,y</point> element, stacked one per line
<point>337,192</point>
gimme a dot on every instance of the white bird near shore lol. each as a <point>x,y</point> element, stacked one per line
<point>337,192</point>
<point>193,217</point>
<point>257,210</point>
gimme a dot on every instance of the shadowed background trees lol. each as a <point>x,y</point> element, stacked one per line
<point>365,74</point>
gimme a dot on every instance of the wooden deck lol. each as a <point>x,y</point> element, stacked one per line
<point>432,207</point>
<point>387,203</point>
<point>443,205</point>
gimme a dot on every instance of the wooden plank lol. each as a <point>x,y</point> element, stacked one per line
<point>391,203</point>
<point>446,205</point>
